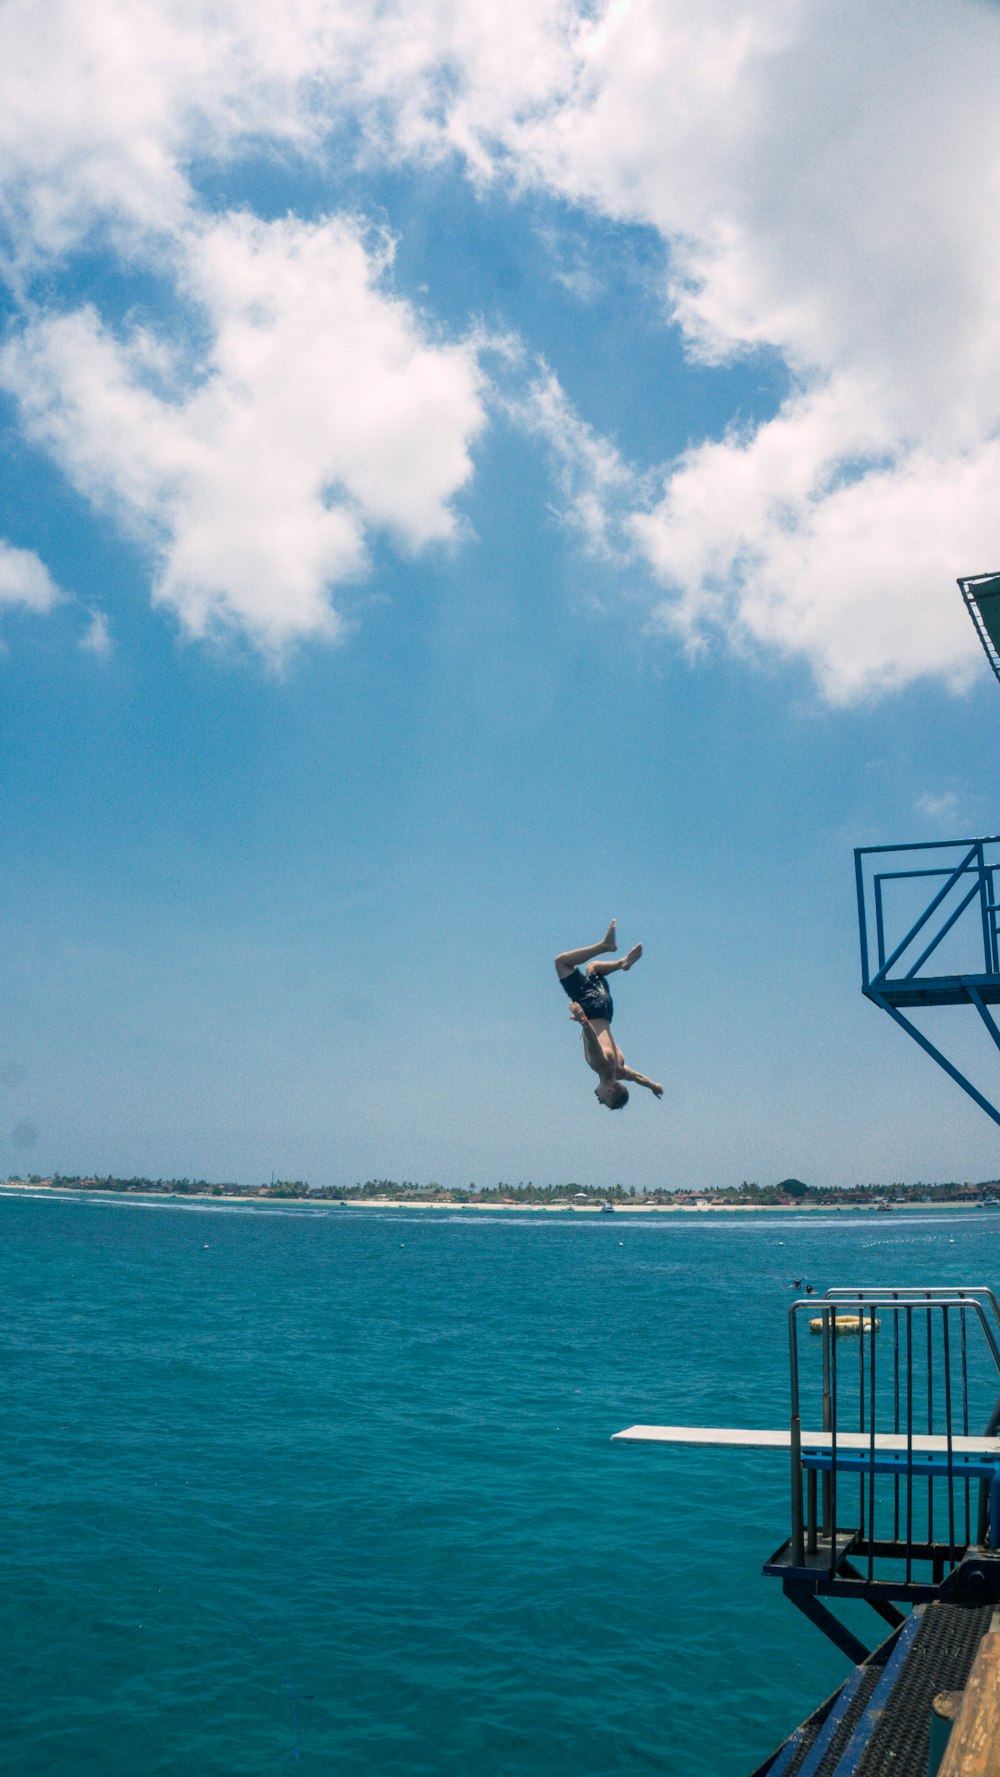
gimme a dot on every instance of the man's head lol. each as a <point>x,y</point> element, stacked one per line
<point>612,1093</point>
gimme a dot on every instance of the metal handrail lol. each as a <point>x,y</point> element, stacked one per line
<point>932,1291</point>
<point>936,1303</point>
<point>947,1299</point>
<point>972,862</point>
<point>979,869</point>
<point>932,907</point>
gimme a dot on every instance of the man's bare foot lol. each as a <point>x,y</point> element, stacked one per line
<point>610,941</point>
<point>577,1013</point>
<point>632,957</point>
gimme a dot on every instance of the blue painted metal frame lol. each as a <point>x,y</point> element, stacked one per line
<point>959,887</point>
<point>971,1468</point>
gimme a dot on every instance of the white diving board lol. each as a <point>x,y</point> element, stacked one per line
<point>735,1438</point>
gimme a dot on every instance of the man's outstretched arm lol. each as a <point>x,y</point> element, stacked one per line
<point>629,1073</point>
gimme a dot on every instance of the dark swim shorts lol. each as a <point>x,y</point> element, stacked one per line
<point>590,992</point>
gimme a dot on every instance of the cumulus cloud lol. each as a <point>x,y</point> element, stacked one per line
<point>96,638</point>
<point>104,106</point>
<point>320,411</point>
<point>133,92</point>
<point>943,806</point>
<point>595,484</point>
<point>823,177</point>
<point>25,580</point>
<point>826,179</point>
<point>809,538</point>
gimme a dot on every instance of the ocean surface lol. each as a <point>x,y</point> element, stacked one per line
<point>325,1490</point>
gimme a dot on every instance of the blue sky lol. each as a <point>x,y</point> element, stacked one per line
<point>459,487</point>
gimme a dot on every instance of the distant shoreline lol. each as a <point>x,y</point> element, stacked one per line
<point>22,1186</point>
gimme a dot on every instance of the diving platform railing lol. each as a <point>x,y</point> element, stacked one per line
<point>941,951</point>
<point>895,1491</point>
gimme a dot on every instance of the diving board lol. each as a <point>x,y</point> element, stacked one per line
<point>719,1437</point>
<point>900,1516</point>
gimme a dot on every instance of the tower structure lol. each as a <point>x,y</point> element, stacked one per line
<point>927,915</point>
<point>928,912</point>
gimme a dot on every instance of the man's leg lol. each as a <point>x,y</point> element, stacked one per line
<point>568,960</point>
<point>624,962</point>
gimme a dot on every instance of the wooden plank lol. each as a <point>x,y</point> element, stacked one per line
<point>973,1748</point>
<point>736,1438</point>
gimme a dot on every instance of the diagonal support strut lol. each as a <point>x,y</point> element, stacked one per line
<point>803,1596</point>
<point>935,1053</point>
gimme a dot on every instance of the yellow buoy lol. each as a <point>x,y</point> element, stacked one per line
<point>845,1323</point>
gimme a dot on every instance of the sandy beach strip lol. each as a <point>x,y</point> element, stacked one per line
<point>627,1208</point>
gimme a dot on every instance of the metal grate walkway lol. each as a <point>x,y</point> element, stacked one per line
<point>878,1724</point>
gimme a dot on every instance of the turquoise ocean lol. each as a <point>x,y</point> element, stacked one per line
<point>324,1490</point>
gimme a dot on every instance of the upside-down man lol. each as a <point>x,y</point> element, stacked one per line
<point>592,1007</point>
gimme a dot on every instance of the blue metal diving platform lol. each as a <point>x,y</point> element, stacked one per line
<point>928,924</point>
<point>894,1503</point>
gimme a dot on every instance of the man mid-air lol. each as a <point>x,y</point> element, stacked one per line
<point>592,1007</point>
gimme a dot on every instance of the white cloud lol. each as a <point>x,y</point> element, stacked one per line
<point>320,412</point>
<point>770,540</point>
<point>824,176</point>
<point>939,807</point>
<point>105,105</point>
<point>827,179</point>
<point>592,479</point>
<point>25,580</point>
<point>96,638</point>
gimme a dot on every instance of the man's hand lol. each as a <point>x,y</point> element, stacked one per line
<point>577,1013</point>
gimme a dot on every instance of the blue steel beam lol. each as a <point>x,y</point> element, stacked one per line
<point>882,876</point>
<point>937,990</point>
<point>984,901</point>
<point>945,929</point>
<point>867,851</point>
<point>919,924</point>
<point>862,916</point>
<point>935,1054</point>
<point>986,1016</point>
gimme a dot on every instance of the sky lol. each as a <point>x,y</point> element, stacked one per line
<point>469,473</point>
